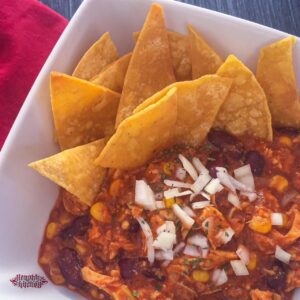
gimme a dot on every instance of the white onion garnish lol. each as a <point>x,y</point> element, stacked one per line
<point>179,247</point>
<point>185,219</point>
<point>180,173</point>
<point>191,251</point>
<point>225,180</point>
<point>164,255</point>
<point>161,229</point>
<point>214,186</point>
<point>201,181</point>
<point>252,196</point>
<point>199,166</point>
<point>200,204</point>
<point>205,195</point>
<point>178,184</point>
<point>239,268</point>
<point>205,252</point>
<point>149,238</point>
<point>188,166</point>
<point>225,235</point>
<point>219,277</point>
<point>243,253</point>
<point>277,219</point>
<point>234,200</point>
<point>168,226</point>
<point>144,196</point>
<point>189,211</point>
<point>198,240</point>
<point>165,241</point>
<point>282,255</point>
<point>165,263</point>
<point>171,193</point>
<point>160,204</point>
<point>245,176</point>
<point>239,186</point>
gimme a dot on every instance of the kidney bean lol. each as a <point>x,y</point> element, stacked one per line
<point>256,161</point>
<point>128,267</point>
<point>70,266</point>
<point>78,227</point>
<point>277,281</point>
<point>213,172</point>
<point>219,138</point>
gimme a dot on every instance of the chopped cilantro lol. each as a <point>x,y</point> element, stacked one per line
<point>135,293</point>
<point>195,262</point>
<point>163,176</point>
<point>206,224</point>
<point>196,226</point>
<point>178,224</point>
<point>158,287</point>
<point>186,261</point>
<point>186,272</point>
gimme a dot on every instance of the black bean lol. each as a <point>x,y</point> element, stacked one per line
<point>70,266</point>
<point>277,281</point>
<point>256,161</point>
<point>77,228</point>
<point>220,138</point>
<point>154,274</point>
<point>128,267</point>
<point>134,226</point>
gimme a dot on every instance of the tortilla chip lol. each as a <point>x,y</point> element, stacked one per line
<point>83,112</point>
<point>140,135</point>
<point>150,68</point>
<point>100,55</point>
<point>204,59</point>
<point>198,104</point>
<point>275,73</point>
<point>74,170</point>
<point>113,75</point>
<point>245,111</point>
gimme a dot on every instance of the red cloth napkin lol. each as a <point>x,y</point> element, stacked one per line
<point>28,32</point>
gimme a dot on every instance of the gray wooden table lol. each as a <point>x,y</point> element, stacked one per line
<point>280,14</point>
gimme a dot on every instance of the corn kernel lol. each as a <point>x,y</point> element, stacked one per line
<point>125,225</point>
<point>279,183</point>
<point>167,169</point>
<point>51,230</point>
<point>252,263</point>
<point>169,202</point>
<point>202,276</point>
<point>285,140</point>
<point>115,187</point>
<point>65,218</point>
<point>261,225</point>
<point>94,293</point>
<point>100,212</point>
<point>44,260</point>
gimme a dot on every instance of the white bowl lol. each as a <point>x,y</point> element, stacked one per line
<point>26,197</point>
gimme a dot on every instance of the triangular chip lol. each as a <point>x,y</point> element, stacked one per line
<point>245,111</point>
<point>83,112</point>
<point>275,73</point>
<point>198,104</point>
<point>140,135</point>
<point>100,55</point>
<point>204,59</point>
<point>150,68</point>
<point>74,170</point>
<point>113,75</point>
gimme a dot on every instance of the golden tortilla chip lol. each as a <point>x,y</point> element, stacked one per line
<point>275,73</point>
<point>245,111</point>
<point>204,59</point>
<point>100,55</point>
<point>198,104</point>
<point>150,68</point>
<point>75,170</point>
<point>113,75</point>
<point>180,55</point>
<point>140,135</point>
<point>83,112</point>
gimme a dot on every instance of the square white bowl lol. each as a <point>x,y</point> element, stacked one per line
<point>26,197</point>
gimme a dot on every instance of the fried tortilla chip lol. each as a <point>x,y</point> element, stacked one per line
<point>275,73</point>
<point>100,55</point>
<point>150,68</point>
<point>198,104</point>
<point>113,75</point>
<point>74,170</point>
<point>83,112</point>
<point>245,111</point>
<point>140,135</point>
<point>204,59</point>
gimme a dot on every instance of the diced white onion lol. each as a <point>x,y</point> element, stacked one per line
<point>149,238</point>
<point>200,204</point>
<point>170,227</point>
<point>165,241</point>
<point>160,204</point>
<point>198,240</point>
<point>164,255</point>
<point>221,169</point>
<point>277,219</point>
<point>239,186</point>
<point>188,166</point>
<point>205,252</point>
<point>191,251</point>
<point>245,176</point>
<point>243,253</point>
<point>189,211</point>
<point>144,196</point>
<point>239,268</point>
<point>219,277</point>
<point>282,255</point>
<point>252,196</point>
<point>175,193</point>
<point>234,200</point>
<point>205,195</point>
<point>185,219</point>
<point>179,247</point>
<point>199,166</point>
<point>201,181</point>
<point>165,263</point>
<point>180,173</point>
<point>226,235</point>
<point>214,186</point>
<point>178,184</point>
<point>225,180</point>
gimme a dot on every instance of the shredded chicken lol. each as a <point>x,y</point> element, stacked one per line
<point>293,279</point>
<point>216,259</point>
<point>264,295</point>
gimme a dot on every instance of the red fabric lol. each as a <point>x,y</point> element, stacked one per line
<point>28,32</point>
